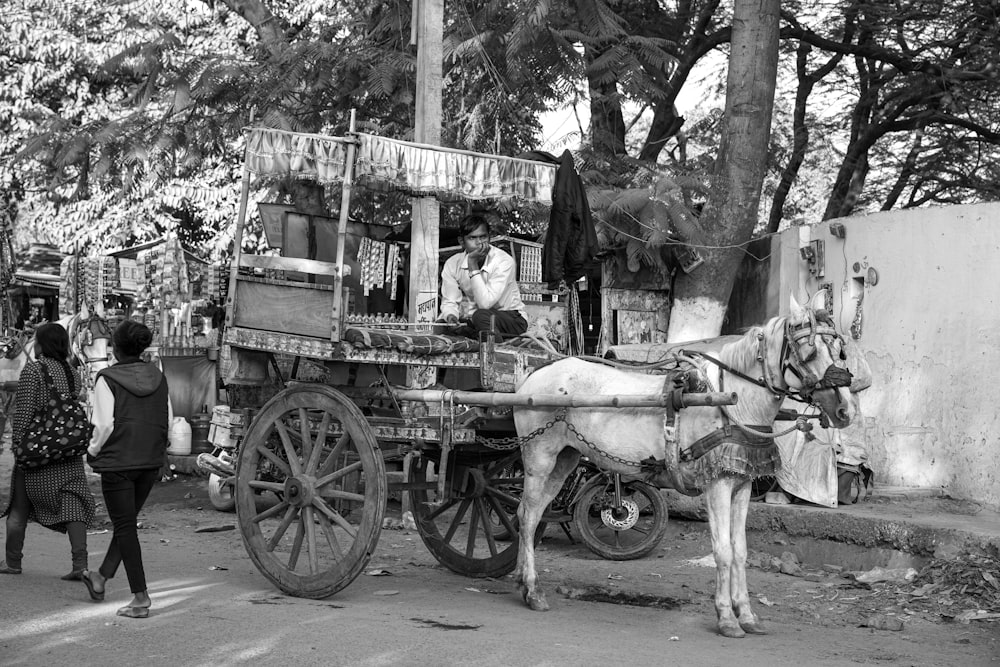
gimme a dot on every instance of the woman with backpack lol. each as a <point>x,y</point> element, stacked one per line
<point>55,494</point>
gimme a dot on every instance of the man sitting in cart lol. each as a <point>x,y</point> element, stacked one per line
<point>479,289</point>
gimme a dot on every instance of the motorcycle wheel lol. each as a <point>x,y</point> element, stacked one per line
<point>220,493</point>
<point>626,533</point>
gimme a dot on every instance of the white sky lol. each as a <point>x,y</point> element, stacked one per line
<point>560,128</point>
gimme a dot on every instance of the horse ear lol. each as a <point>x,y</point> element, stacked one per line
<point>794,309</point>
<point>84,312</point>
<point>99,309</point>
<point>818,301</point>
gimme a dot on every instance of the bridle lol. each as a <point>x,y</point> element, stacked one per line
<point>88,330</point>
<point>798,347</point>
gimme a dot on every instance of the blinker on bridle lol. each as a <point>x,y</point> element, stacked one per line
<point>799,347</point>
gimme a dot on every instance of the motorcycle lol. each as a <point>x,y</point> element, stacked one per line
<point>616,519</point>
<point>220,466</point>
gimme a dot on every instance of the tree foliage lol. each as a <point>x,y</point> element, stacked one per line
<point>123,120</point>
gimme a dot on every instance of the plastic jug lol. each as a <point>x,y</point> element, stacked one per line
<point>179,437</point>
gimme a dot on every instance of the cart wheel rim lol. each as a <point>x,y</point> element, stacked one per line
<point>312,457</point>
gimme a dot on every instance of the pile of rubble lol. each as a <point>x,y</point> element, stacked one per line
<point>961,589</point>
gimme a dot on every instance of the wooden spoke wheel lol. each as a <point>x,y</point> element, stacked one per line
<point>475,531</point>
<point>313,459</point>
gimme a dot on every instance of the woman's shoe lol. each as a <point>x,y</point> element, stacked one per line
<point>134,612</point>
<point>7,569</point>
<point>74,575</point>
<point>95,595</point>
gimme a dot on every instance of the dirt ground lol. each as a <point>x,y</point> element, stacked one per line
<point>211,606</point>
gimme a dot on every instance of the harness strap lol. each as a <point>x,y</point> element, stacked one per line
<point>723,434</point>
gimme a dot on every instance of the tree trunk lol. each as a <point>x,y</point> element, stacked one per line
<point>730,214</point>
<point>607,123</point>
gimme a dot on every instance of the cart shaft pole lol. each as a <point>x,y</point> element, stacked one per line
<point>562,400</point>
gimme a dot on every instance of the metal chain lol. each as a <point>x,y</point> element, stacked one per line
<point>505,444</point>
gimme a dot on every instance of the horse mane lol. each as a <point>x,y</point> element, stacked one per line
<point>742,354</point>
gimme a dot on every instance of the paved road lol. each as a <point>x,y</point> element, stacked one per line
<point>423,614</point>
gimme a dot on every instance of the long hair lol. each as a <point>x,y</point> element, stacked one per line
<point>52,342</point>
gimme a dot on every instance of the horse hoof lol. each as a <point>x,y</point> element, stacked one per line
<point>537,602</point>
<point>731,630</point>
<point>753,627</point>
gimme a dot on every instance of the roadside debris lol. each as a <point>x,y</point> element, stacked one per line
<point>883,622</point>
<point>877,574</point>
<point>215,529</point>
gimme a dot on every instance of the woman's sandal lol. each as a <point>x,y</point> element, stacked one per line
<point>134,612</point>
<point>95,595</point>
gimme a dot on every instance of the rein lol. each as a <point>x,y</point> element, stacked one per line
<point>792,359</point>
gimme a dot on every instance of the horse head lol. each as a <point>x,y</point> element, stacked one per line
<point>90,339</point>
<point>814,360</point>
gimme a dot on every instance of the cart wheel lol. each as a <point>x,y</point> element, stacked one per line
<point>462,532</point>
<point>220,493</point>
<point>625,533</point>
<point>310,452</point>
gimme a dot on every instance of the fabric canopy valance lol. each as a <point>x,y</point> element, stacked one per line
<point>422,169</point>
<point>399,165</point>
<point>280,153</point>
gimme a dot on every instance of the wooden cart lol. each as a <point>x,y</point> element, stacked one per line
<point>311,484</point>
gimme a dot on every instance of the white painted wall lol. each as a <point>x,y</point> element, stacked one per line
<point>930,328</point>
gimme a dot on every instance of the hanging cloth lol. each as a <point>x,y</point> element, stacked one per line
<point>571,245</point>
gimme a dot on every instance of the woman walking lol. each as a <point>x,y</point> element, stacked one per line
<point>131,416</point>
<point>56,494</point>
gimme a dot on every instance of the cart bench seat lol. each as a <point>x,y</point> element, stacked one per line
<point>409,341</point>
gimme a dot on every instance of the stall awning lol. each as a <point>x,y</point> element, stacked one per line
<point>385,163</point>
<point>34,279</point>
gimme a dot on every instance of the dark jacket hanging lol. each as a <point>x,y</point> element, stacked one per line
<point>571,241</point>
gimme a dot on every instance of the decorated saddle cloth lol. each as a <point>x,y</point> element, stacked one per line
<point>406,341</point>
<point>730,450</point>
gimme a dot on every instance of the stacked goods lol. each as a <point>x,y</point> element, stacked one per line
<point>67,286</point>
<point>85,281</point>
<point>163,276</point>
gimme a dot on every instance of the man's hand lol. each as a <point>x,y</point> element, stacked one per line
<point>477,257</point>
<point>449,319</point>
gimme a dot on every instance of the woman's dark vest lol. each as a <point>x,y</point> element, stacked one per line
<point>139,438</point>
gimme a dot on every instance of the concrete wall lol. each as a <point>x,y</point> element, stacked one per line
<point>919,292</point>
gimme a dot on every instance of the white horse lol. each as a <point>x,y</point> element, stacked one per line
<point>704,449</point>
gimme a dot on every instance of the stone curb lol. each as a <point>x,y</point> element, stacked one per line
<point>930,535</point>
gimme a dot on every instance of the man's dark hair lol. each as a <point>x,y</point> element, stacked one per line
<point>131,338</point>
<point>472,221</point>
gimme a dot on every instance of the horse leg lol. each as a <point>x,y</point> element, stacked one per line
<point>738,573</point>
<point>718,501</point>
<point>544,475</point>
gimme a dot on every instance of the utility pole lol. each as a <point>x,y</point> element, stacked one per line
<point>427,31</point>
<point>428,16</point>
